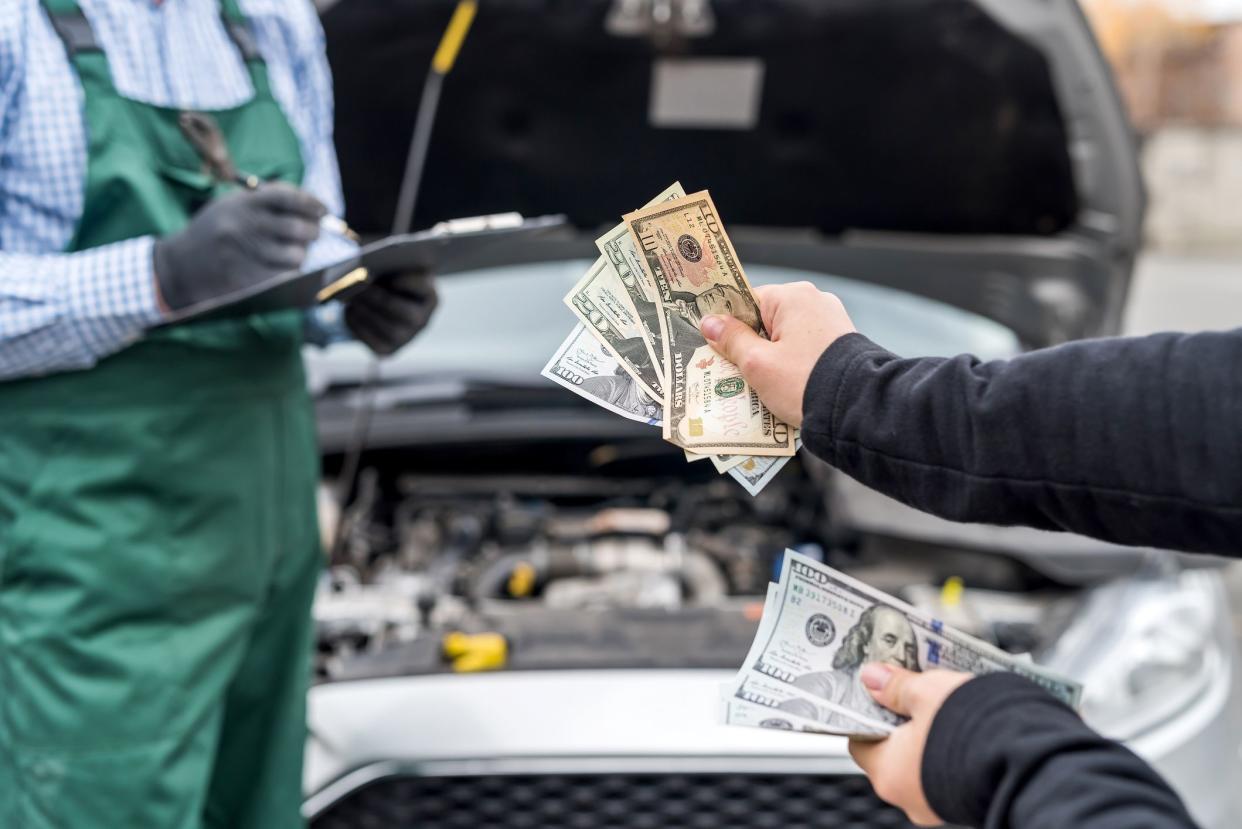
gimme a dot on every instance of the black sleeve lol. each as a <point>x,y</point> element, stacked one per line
<point>1004,754</point>
<point>1131,440</point>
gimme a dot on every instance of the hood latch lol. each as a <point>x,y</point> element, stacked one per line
<point>661,20</point>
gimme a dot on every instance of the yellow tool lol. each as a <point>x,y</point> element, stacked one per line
<point>454,36</point>
<point>951,593</point>
<point>522,580</point>
<point>473,652</point>
<point>441,64</point>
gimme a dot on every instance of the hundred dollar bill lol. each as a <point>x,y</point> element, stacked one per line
<point>584,366</point>
<point>709,407</point>
<point>826,625</point>
<point>603,306</point>
<point>781,700</point>
<point>617,247</point>
<point>736,711</point>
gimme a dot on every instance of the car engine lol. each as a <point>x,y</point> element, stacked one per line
<point>597,570</point>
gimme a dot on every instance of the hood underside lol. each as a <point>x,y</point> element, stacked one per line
<point>923,115</point>
<point>953,119</point>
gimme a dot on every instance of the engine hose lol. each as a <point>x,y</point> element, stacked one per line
<point>493,582</point>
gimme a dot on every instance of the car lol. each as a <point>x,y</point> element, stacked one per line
<point>960,172</point>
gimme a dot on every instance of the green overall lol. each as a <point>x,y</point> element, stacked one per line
<point>158,541</point>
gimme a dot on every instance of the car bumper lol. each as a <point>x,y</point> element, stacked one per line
<point>644,722</point>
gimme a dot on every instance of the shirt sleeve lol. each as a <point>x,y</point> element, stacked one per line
<point>322,177</point>
<point>1131,440</point>
<point>61,312</point>
<point>1004,754</point>
<point>12,61</point>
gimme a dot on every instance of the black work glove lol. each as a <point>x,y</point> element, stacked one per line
<point>391,310</point>
<point>236,241</point>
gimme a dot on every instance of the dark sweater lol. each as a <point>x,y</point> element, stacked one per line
<point>1135,441</point>
<point>1003,752</point>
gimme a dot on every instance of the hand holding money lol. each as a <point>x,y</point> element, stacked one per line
<point>638,350</point>
<point>895,765</point>
<point>708,406</point>
<point>820,630</point>
<point>802,322</point>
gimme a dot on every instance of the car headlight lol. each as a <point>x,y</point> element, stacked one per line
<point>1147,648</point>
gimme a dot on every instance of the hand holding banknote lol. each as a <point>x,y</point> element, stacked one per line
<point>660,272</point>
<point>802,322</point>
<point>690,261</point>
<point>835,655</point>
<point>895,765</point>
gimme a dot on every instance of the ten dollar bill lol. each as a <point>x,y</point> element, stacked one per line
<point>709,408</point>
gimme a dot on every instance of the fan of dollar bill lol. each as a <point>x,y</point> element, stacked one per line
<point>820,626</point>
<point>637,350</point>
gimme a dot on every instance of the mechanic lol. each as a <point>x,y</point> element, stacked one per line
<point>1132,440</point>
<point>158,541</point>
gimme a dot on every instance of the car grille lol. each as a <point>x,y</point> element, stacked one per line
<point>615,801</point>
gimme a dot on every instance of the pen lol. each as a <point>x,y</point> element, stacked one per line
<point>208,141</point>
<point>330,223</point>
<point>335,224</point>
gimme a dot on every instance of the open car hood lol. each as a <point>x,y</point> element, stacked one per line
<point>974,151</point>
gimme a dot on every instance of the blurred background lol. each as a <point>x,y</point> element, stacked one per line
<point>1179,67</point>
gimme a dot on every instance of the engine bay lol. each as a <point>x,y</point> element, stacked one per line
<point>604,559</point>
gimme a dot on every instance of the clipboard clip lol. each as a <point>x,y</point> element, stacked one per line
<point>355,277</point>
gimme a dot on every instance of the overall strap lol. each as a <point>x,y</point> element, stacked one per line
<point>81,44</point>
<point>237,26</point>
<point>88,57</point>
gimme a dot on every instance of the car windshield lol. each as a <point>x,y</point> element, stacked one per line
<point>502,324</point>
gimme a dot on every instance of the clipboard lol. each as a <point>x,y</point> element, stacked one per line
<point>427,250</point>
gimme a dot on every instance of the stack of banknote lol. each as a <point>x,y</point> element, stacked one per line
<point>637,350</point>
<point>820,626</point>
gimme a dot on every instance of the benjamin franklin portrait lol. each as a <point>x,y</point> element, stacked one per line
<point>881,634</point>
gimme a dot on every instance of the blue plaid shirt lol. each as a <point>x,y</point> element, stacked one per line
<point>63,311</point>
